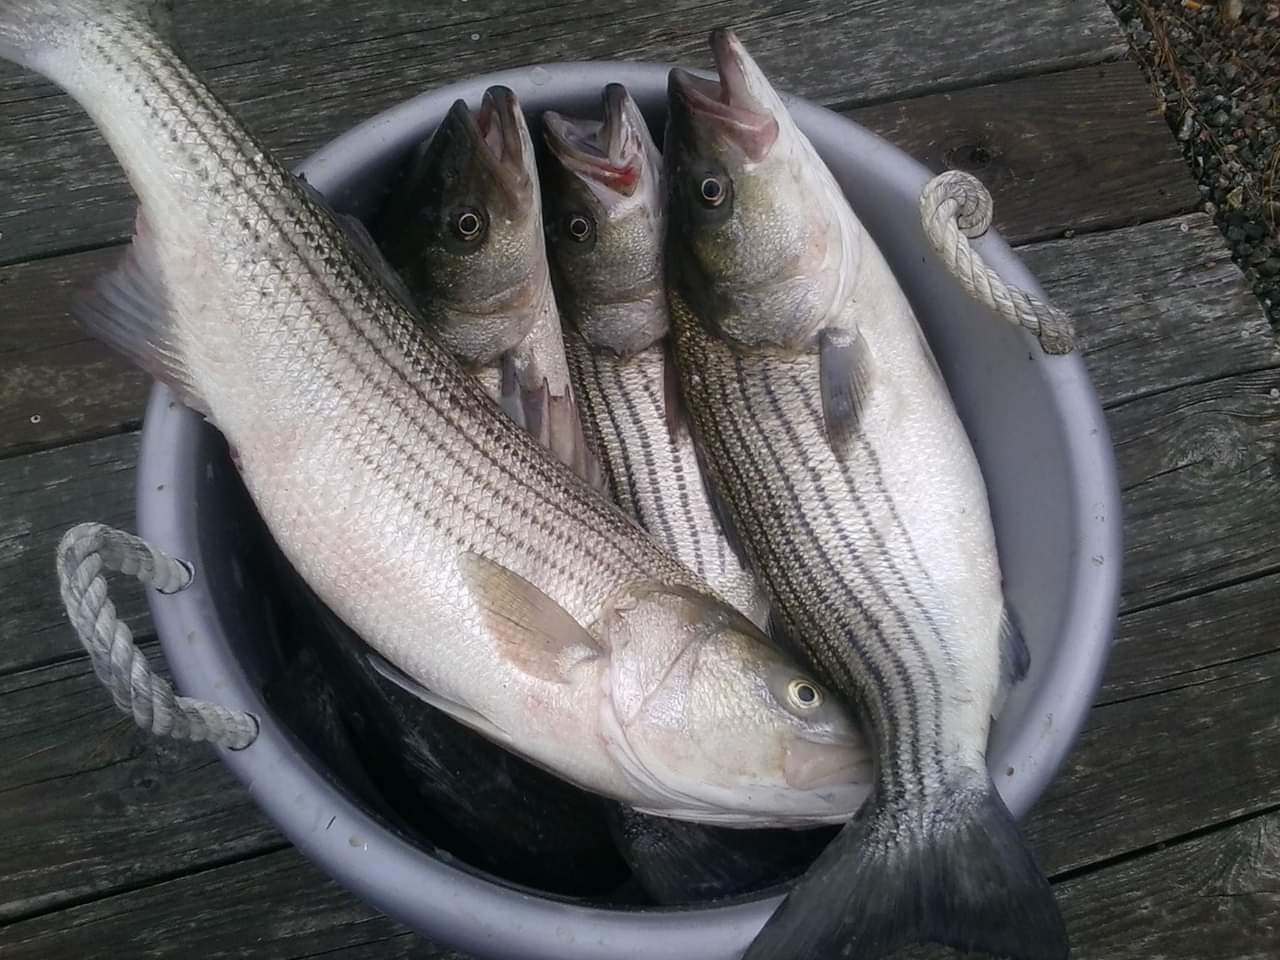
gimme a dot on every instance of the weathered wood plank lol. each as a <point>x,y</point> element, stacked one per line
<point>1200,469</point>
<point>273,907</point>
<point>89,803</point>
<point>1180,643</point>
<point>63,191</point>
<point>1215,897</point>
<point>1149,770</point>
<point>1081,149</point>
<point>1157,306</point>
<point>41,495</point>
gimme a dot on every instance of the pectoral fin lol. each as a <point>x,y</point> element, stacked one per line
<point>1015,658</point>
<point>844,371</point>
<point>459,711</point>
<point>551,419</point>
<point>677,421</point>
<point>533,632</point>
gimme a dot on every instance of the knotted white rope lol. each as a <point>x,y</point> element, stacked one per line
<point>85,551</point>
<point>955,206</point>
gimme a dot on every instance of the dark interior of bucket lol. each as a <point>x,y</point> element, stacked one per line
<point>443,787</point>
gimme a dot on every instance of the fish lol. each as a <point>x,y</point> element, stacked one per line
<point>463,227</point>
<point>605,236</point>
<point>492,581</point>
<point>843,470</point>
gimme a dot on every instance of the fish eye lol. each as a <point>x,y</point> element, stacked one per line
<point>712,191</point>
<point>804,695</point>
<point>468,224</point>
<point>578,227</point>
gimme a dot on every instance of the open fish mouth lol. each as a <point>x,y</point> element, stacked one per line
<point>608,152</point>
<point>500,139</point>
<point>727,104</point>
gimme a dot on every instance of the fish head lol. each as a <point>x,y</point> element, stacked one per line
<point>753,214</point>
<point>604,224</point>
<point>718,724</point>
<point>465,228</point>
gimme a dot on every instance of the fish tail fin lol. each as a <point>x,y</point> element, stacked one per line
<point>42,35</point>
<point>969,882</point>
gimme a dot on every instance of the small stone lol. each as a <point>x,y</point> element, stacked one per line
<point>1230,71</point>
<point>1235,234</point>
<point>1188,126</point>
<point>1219,118</point>
<point>1232,9</point>
<point>1210,209</point>
<point>1270,267</point>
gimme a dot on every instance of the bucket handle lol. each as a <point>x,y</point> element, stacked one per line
<point>955,206</point>
<point>84,552</point>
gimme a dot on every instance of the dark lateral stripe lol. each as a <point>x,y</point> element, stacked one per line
<point>627,493</point>
<point>756,501</point>
<point>549,552</point>
<point>695,524</point>
<point>875,639</point>
<point>635,435</point>
<point>854,483</point>
<point>356,282</point>
<point>856,557</point>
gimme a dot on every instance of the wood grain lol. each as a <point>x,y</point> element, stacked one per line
<point>1083,149</point>
<point>89,803</point>
<point>1156,306</point>
<point>1200,470</point>
<point>63,191</point>
<point>1181,643</point>
<point>1215,897</point>
<point>41,496</point>
<point>1152,769</point>
<point>272,907</point>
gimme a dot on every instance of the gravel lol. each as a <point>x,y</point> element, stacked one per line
<point>1215,65</point>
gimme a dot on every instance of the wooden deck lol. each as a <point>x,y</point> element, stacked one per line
<point>1163,831</point>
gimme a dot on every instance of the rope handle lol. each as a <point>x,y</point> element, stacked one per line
<point>955,206</point>
<point>84,552</point>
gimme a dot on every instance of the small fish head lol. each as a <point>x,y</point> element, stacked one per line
<point>604,223</point>
<point>468,233</point>
<point>751,212</point>
<point>723,725</point>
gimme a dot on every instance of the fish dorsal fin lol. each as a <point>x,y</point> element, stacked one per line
<point>1015,658</point>
<point>459,711</point>
<point>844,373</point>
<point>533,633</point>
<point>365,246</point>
<point>129,309</point>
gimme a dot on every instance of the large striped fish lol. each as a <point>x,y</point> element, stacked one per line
<point>506,591</point>
<point>605,229</point>
<point>842,466</point>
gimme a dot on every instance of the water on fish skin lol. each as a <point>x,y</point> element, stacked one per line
<point>513,595</point>
<point>846,475</point>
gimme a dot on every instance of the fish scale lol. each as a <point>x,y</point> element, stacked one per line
<point>493,583</point>
<point>848,481</point>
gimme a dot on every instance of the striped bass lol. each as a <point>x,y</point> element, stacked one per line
<point>491,579</point>
<point>847,477</point>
